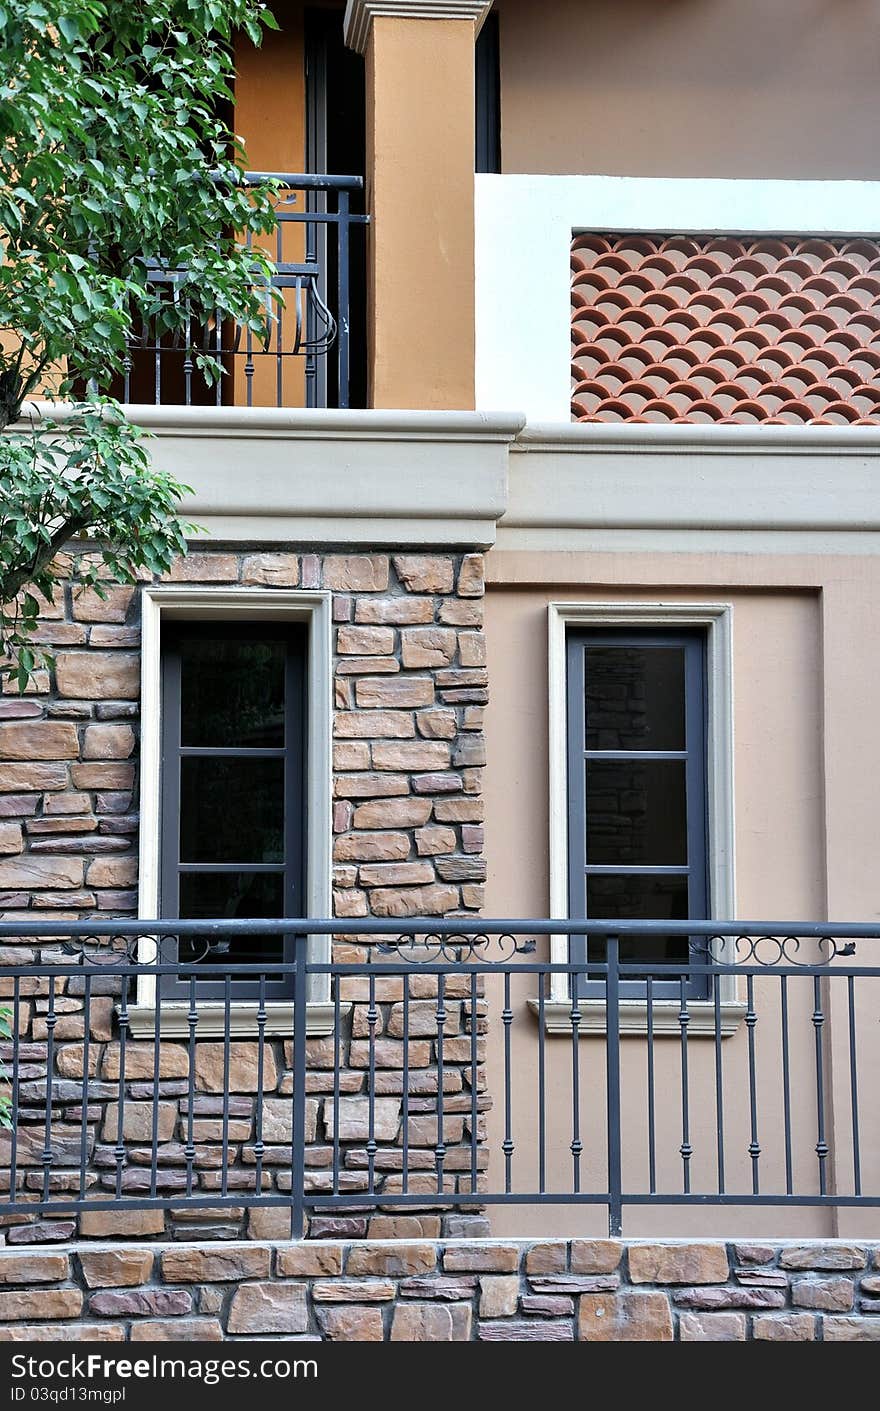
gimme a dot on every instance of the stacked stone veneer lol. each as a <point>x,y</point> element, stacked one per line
<point>410,686</point>
<point>462,1291</point>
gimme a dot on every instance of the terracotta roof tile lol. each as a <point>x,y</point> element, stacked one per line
<point>677,328</point>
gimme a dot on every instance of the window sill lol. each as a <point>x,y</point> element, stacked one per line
<point>174,1023</point>
<point>634,1017</point>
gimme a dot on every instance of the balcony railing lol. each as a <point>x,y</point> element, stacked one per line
<point>306,358</point>
<point>429,1026</point>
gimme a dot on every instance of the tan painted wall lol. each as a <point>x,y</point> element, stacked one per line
<point>420,145</point>
<point>805,699</point>
<point>691,87</point>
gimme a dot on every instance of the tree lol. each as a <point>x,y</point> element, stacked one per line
<point>115,160</point>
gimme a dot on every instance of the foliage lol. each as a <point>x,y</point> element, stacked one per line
<point>115,160</point>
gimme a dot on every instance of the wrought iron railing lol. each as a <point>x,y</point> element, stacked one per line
<point>306,357</point>
<point>436,1079</point>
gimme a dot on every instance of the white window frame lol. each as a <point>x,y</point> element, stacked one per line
<point>189,603</point>
<point>716,619</point>
<point>524,226</point>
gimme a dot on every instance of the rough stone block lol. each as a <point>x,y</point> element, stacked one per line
<point>481,1258</point>
<point>836,1295</point>
<point>107,742</point>
<point>177,1330</point>
<point>354,1118</point>
<point>38,740</point>
<point>394,1259</point>
<point>91,675</point>
<point>393,692</point>
<point>225,1264</point>
<point>351,1323</point>
<point>851,1329</point>
<point>783,1327</point>
<point>356,573</point>
<point>115,1268</point>
<point>161,1303</point>
<point>271,570</point>
<point>499,1294</point>
<point>352,1291</point>
<point>405,755</point>
<point>36,1268</point>
<point>823,1256</point>
<point>243,1068</point>
<point>399,611</point>
<point>626,1317</point>
<point>365,641</point>
<point>427,646</point>
<point>40,1304</point>
<point>107,1224</point>
<point>678,1263</point>
<point>303,1261</point>
<point>712,1327</point>
<point>431,1322</point>
<point>268,1308</point>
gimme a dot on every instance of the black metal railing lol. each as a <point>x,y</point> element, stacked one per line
<point>306,357</point>
<point>448,1065</point>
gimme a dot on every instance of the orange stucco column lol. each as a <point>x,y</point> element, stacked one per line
<point>420,190</point>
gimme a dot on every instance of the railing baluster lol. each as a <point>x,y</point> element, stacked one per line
<point>854,1086</point>
<point>259,1145</point>
<point>224,1141</point>
<point>15,1039</point>
<point>343,313</point>
<point>821,1144</point>
<point>507,1144</point>
<point>652,1117</point>
<point>686,1150</point>
<point>576,1146</point>
<point>157,1072</point>
<point>612,1074</point>
<point>440,1147</point>
<point>86,1060</point>
<point>298,1144</point>
<point>189,1150</point>
<point>475,1118</point>
<point>754,1144</point>
<point>119,1150</point>
<point>51,1021</point>
<point>719,1083</point>
<point>372,1145</point>
<point>337,1038</point>
<point>786,1081</point>
<point>404,1185</point>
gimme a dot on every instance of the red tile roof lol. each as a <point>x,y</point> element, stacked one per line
<point>677,328</point>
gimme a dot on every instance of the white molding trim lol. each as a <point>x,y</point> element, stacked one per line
<point>190,602</point>
<point>359,15</point>
<point>524,227</point>
<point>717,619</point>
<point>396,478</point>
<point>242,1019</point>
<point>634,1017</point>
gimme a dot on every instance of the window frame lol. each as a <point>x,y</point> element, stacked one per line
<point>717,620</point>
<point>163,603</point>
<point>292,754</point>
<point>696,869</point>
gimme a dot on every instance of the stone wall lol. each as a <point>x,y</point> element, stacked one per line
<point>451,1291</point>
<point>410,685</point>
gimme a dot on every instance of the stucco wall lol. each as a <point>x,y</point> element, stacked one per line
<point>690,88</point>
<point>797,731</point>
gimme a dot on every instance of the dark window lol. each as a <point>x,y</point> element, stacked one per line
<point>487,91</point>
<point>233,814</point>
<point>637,791</point>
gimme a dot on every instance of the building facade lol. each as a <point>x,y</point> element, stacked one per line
<point>539,581</point>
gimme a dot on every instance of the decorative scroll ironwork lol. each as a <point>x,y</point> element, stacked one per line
<point>433,947</point>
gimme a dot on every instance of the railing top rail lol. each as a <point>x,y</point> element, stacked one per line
<point>432,927</point>
<point>307,181</point>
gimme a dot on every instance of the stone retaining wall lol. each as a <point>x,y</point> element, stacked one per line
<point>410,686</point>
<point>449,1291</point>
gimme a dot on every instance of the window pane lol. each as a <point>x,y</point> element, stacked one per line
<point>231,810</point>
<point>232,692</point>
<point>635,698</point>
<point>639,898</point>
<point>229,895</point>
<point>636,812</point>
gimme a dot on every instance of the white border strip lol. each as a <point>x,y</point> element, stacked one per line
<point>294,605</point>
<point>524,226</point>
<point>717,618</point>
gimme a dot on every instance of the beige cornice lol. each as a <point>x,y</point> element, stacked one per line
<point>359,15</point>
